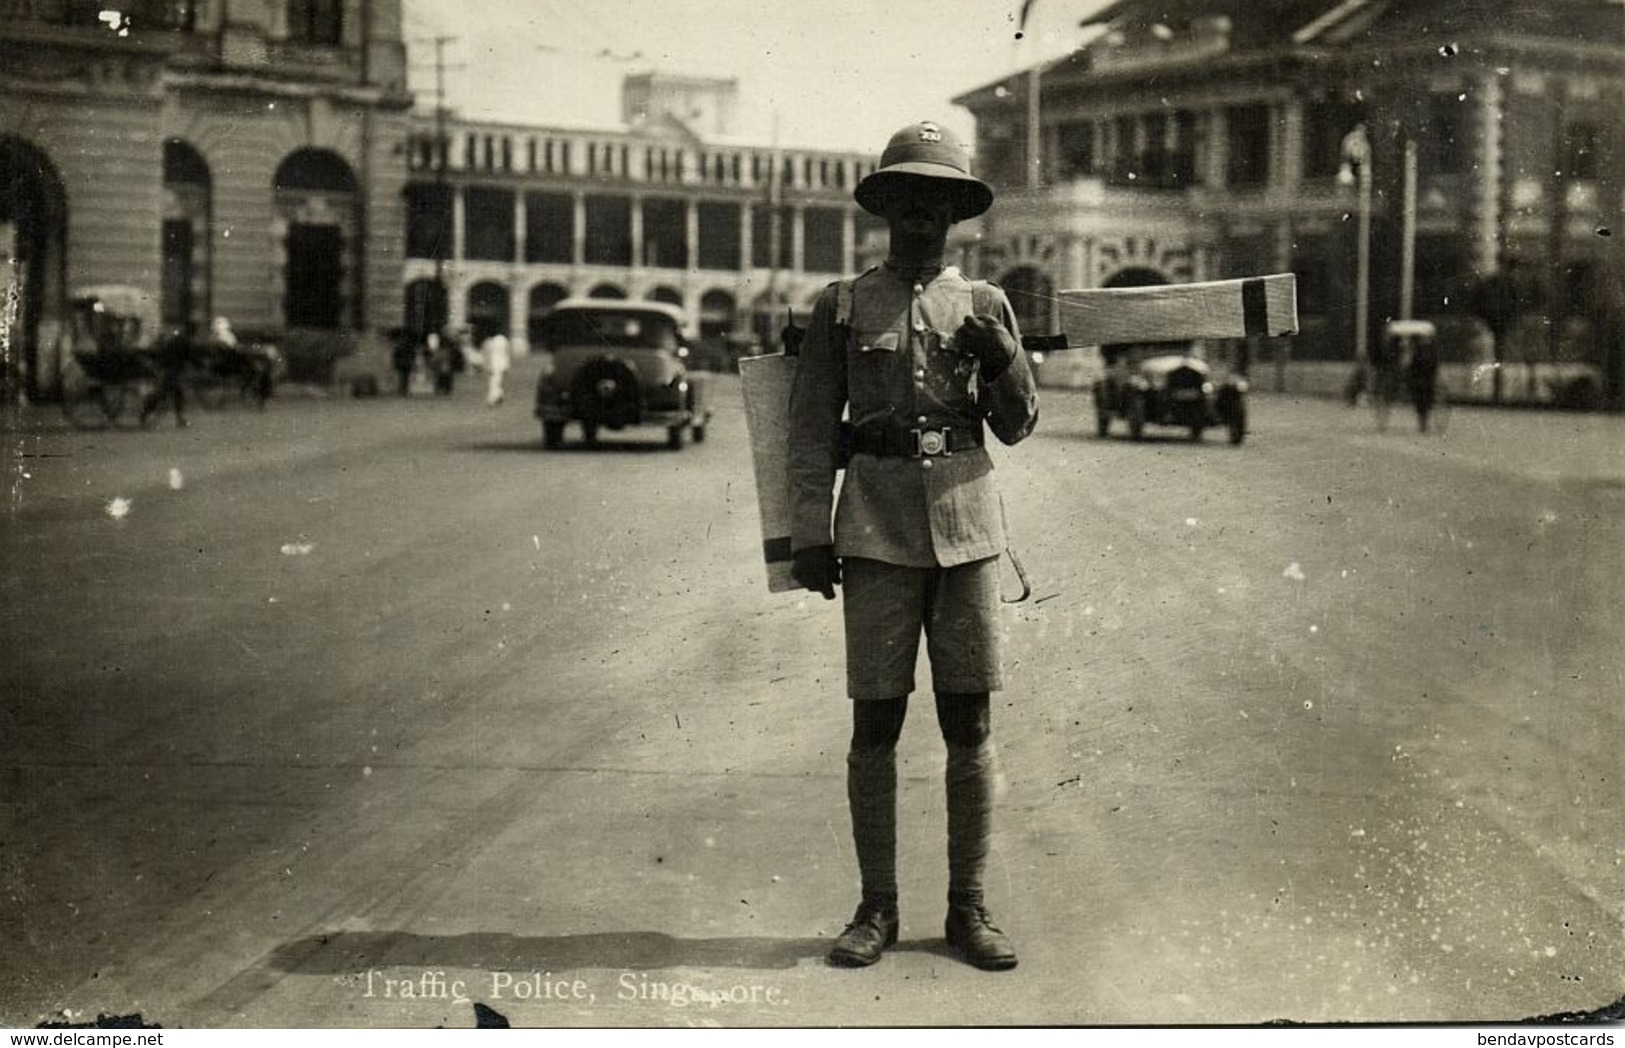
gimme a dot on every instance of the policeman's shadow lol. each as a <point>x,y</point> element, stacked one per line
<point>342,952</point>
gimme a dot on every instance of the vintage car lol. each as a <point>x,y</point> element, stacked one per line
<point>614,363</point>
<point>1150,385</point>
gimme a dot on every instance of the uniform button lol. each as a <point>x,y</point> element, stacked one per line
<point>922,420</point>
<point>925,463</point>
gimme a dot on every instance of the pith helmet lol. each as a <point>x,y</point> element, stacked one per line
<point>924,150</point>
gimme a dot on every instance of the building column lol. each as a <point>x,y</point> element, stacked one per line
<point>691,234</point>
<point>798,239</point>
<point>578,229</point>
<point>849,241</point>
<point>519,224</point>
<point>452,274</point>
<point>1076,260</point>
<point>459,217</point>
<point>1291,123</point>
<point>1218,152</point>
<point>636,212</point>
<point>746,237</point>
<point>1487,232</point>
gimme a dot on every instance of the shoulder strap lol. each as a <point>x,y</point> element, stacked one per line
<point>844,291</point>
<point>983,300</point>
<point>843,302</point>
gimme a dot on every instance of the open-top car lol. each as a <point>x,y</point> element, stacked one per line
<point>614,363</point>
<point>1148,384</point>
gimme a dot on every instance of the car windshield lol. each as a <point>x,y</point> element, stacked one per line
<point>620,329</point>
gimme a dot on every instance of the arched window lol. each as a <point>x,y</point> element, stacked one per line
<point>33,210</point>
<point>316,22</point>
<point>188,200</point>
<point>542,299</point>
<point>487,310</point>
<point>717,314</point>
<point>316,204</point>
<point>1032,296</point>
<point>425,302</point>
<point>669,295</point>
<point>606,291</point>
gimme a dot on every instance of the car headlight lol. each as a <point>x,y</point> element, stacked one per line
<point>1207,389</point>
<point>1240,385</point>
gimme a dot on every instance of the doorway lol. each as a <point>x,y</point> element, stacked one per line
<point>315,271</point>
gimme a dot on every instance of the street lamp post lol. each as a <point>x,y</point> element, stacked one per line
<point>1356,169</point>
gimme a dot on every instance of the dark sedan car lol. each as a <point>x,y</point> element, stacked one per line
<point>612,364</point>
<point>1151,386</point>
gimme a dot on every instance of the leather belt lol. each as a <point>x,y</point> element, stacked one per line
<point>893,438</point>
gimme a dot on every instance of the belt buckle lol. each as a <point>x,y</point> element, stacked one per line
<point>930,442</point>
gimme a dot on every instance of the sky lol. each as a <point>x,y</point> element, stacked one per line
<point>826,74</point>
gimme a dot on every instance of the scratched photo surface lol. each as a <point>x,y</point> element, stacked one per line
<point>350,680</point>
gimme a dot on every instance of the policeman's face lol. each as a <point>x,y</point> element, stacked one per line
<point>922,206</point>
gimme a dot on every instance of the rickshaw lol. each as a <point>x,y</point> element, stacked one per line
<point>221,367</point>
<point>111,334</point>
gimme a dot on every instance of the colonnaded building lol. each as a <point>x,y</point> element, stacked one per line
<point>244,159</point>
<point>505,220</point>
<point>1201,139</point>
<point>261,160</point>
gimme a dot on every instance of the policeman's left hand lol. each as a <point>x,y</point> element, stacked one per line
<point>989,341</point>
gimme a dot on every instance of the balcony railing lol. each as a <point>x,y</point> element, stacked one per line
<point>1154,171</point>
<point>115,16</point>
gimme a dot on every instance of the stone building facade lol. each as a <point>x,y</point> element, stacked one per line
<point>243,159</point>
<point>505,220</point>
<point>1201,139</point>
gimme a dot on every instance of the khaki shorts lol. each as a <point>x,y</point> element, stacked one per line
<point>887,606</point>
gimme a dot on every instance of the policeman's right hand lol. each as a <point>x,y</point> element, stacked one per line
<point>817,568</point>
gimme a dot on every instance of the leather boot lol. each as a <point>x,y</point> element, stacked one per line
<point>873,928</point>
<point>970,930</point>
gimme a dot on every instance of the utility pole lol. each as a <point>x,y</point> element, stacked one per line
<point>442,185</point>
<point>1407,236</point>
<point>775,232</point>
<point>1035,127</point>
<point>1357,169</point>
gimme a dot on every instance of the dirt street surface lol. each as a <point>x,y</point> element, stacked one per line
<point>359,713</point>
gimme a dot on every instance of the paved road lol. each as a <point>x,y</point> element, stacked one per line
<point>357,713</point>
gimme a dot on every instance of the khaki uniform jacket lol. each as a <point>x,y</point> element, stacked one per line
<point>896,358</point>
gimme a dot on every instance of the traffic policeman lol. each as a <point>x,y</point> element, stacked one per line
<point>903,371</point>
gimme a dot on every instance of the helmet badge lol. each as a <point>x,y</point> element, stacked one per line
<point>930,133</point>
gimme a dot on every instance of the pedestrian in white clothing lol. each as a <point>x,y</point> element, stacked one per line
<point>495,352</point>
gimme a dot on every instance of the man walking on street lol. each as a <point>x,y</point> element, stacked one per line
<point>497,356</point>
<point>917,358</point>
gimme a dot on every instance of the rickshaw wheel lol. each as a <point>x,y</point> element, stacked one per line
<point>115,399</point>
<point>87,407</point>
<point>211,390</point>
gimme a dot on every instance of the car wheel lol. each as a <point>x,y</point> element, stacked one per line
<point>1196,434</point>
<point>589,433</point>
<point>552,434</point>
<point>1103,423</point>
<point>1136,418</point>
<point>699,434</point>
<point>1238,423</point>
<point>674,438</point>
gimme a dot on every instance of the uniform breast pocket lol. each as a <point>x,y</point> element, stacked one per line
<point>873,342</point>
<point>878,356</point>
